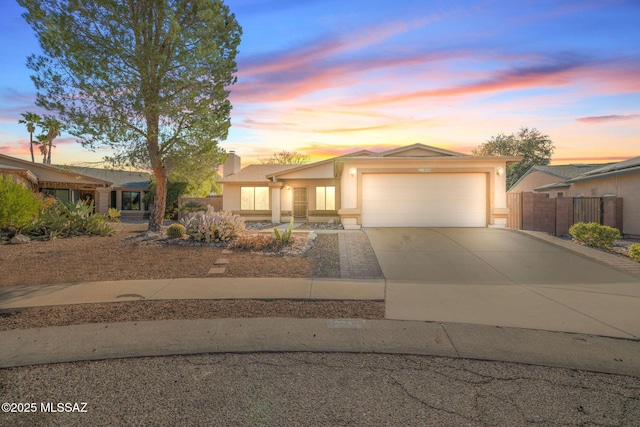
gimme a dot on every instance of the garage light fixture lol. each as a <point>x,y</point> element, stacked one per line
<point>499,171</point>
<point>353,171</point>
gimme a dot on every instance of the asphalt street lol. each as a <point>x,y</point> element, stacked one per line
<point>318,389</point>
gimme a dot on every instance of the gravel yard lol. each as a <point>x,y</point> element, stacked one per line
<point>138,311</point>
<point>123,256</point>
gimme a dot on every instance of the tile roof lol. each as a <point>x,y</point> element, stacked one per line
<point>564,172</point>
<point>612,167</point>
<point>629,166</point>
<point>255,173</point>
<point>568,171</point>
<point>119,178</point>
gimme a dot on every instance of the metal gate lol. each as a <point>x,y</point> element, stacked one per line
<point>300,202</point>
<point>587,209</point>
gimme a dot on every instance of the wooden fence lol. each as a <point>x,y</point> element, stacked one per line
<point>514,203</point>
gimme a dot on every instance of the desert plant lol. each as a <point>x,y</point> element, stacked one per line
<point>212,226</point>
<point>176,231</point>
<point>634,251</point>
<point>66,219</point>
<point>286,234</point>
<point>114,215</point>
<point>594,234</point>
<point>18,205</point>
<point>191,206</point>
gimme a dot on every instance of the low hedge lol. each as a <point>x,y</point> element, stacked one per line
<point>594,234</point>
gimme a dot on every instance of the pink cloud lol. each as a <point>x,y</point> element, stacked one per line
<point>518,78</point>
<point>17,150</point>
<point>356,129</point>
<point>265,125</point>
<point>611,118</point>
<point>327,63</point>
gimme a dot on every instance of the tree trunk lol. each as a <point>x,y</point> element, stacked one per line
<point>160,202</point>
<point>49,151</point>
<point>33,159</point>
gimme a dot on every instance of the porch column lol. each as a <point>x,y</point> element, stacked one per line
<point>276,201</point>
<point>102,200</point>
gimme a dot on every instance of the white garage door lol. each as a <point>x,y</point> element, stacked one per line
<point>424,200</point>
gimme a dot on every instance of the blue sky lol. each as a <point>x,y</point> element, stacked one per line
<point>326,77</point>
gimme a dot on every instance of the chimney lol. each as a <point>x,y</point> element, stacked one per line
<point>232,165</point>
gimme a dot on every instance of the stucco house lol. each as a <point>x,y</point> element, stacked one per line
<point>412,186</point>
<point>107,188</point>
<point>552,177</point>
<point>620,179</point>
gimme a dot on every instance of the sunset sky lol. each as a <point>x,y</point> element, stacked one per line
<point>326,77</point>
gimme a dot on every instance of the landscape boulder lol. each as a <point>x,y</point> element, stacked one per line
<point>19,239</point>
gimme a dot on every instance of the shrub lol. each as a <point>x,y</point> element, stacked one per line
<point>69,219</point>
<point>191,206</point>
<point>211,226</point>
<point>176,231</point>
<point>18,205</point>
<point>114,215</point>
<point>634,251</point>
<point>594,234</point>
<point>256,243</point>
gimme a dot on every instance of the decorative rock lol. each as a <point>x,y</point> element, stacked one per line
<point>19,239</point>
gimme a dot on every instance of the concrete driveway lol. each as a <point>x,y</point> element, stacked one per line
<point>502,278</point>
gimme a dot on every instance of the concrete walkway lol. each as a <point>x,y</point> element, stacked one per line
<point>193,288</point>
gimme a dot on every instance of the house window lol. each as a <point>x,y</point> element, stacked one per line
<point>254,198</point>
<point>62,194</point>
<point>560,194</point>
<point>112,204</point>
<point>325,198</point>
<point>130,200</point>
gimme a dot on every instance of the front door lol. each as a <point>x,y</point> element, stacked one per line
<point>300,202</point>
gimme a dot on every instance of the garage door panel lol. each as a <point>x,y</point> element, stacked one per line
<point>424,200</point>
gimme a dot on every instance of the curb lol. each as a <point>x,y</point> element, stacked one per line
<point>181,337</point>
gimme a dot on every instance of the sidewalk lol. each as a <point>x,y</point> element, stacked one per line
<point>192,288</point>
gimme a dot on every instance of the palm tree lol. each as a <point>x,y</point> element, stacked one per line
<point>31,120</point>
<point>41,140</point>
<point>53,128</point>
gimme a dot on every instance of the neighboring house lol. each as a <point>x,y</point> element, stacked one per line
<point>552,177</point>
<point>20,175</point>
<point>107,188</point>
<point>127,189</point>
<point>412,186</point>
<point>620,179</point>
